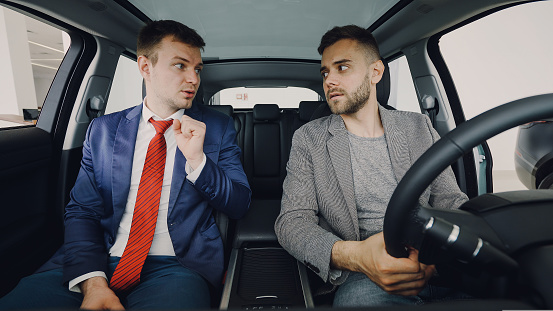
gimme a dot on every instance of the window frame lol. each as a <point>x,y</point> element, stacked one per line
<point>469,163</point>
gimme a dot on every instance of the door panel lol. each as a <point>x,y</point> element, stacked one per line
<point>30,229</point>
<point>31,226</point>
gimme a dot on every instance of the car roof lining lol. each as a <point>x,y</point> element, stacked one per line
<point>417,20</point>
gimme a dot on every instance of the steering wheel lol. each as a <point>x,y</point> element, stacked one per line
<point>459,233</point>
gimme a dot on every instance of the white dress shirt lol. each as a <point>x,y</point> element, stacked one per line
<point>161,244</point>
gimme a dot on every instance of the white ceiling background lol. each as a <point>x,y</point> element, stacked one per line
<point>265,28</point>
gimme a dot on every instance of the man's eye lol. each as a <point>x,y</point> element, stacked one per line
<point>180,66</point>
<point>324,74</point>
<point>198,70</point>
<point>343,67</point>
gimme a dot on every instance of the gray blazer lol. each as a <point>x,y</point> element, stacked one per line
<point>318,203</point>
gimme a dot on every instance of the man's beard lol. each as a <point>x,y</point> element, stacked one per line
<point>353,103</point>
<point>174,103</point>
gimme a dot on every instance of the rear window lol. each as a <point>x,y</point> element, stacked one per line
<point>126,89</point>
<point>247,97</point>
<point>402,90</point>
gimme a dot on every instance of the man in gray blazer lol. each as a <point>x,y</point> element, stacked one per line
<point>341,174</point>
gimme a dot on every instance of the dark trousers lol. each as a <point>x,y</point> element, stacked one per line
<point>165,284</point>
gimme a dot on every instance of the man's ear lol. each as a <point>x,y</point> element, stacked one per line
<point>377,72</point>
<point>144,66</point>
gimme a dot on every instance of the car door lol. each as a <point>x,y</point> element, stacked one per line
<point>33,166</point>
<point>488,61</point>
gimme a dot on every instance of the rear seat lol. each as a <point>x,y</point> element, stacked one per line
<point>268,140</point>
<point>267,133</point>
<point>263,152</point>
<point>265,157</point>
<point>307,108</point>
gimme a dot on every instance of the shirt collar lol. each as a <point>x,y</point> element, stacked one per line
<point>147,114</point>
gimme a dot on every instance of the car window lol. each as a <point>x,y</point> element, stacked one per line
<point>402,90</point>
<point>126,89</point>
<point>246,97</point>
<point>493,61</point>
<point>31,53</point>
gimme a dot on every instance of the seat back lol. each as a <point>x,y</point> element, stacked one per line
<point>307,108</point>
<point>263,151</point>
<point>259,266</point>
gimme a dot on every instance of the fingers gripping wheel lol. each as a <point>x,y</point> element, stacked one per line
<point>405,221</point>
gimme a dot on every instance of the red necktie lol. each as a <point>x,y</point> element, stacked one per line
<point>127,272</point>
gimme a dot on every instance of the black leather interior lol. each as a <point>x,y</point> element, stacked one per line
<point>265,138</point>
<point>307,108</point>
<point>263,151</point>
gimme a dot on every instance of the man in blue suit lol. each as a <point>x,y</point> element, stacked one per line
<point>202,172</point>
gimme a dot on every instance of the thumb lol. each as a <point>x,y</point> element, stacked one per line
<point>113,304</point>
<point>413,254</point>
<point>176,126</point>
<point>116,305</point>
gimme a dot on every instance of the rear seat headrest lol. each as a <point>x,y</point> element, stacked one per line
<point>266,112</point>
<point>226,109</point>
<point>307,108</point>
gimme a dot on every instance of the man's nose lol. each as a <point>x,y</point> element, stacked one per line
<point>192,77</point>
<point>331,80</point>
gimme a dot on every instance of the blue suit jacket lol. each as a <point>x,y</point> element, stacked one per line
<point>99,196</point>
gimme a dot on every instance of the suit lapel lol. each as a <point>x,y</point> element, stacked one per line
<point>123,151</point>
<point>179,172</point>
<point>338,149</point>
<point>397,144</point>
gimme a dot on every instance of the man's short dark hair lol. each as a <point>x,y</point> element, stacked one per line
<point>151,35</point>
<point>361,35</point>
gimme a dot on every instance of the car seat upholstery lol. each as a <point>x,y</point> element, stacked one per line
<point>263,152</point>
<point>307,108</point>
<point>267,133</point>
